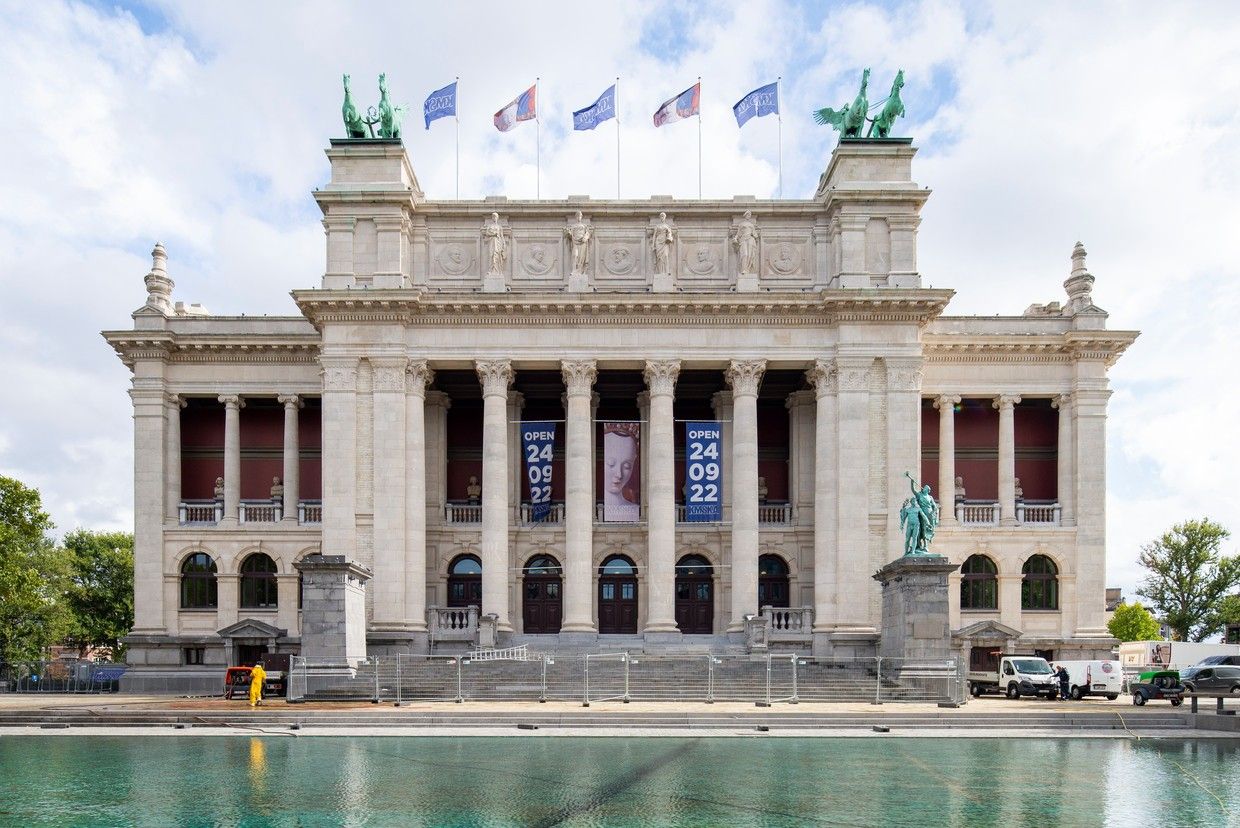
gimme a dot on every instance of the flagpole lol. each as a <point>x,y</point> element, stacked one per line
<point>456,110</point>
<point>779,115</point>
<point>616,103</point>
<point>537,145</point>
<point>699,114</point>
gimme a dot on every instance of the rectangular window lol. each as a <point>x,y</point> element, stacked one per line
<point>194,655</point>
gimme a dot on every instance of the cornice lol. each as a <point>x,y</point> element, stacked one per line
<point>1069,346</point>
<point>133,346</point>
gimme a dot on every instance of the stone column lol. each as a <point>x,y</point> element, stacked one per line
<point>172,458</point>
<point>579,377</point>
<point>436,408</point>
<point>232,457</point>
<point>822,377</point>
<point>721,407</point>
<point>516,471</point>
<point>389,492</point>
<point>339,530</point>
<point>744,377</point>
<point>643,414</point>
<point>292,457</point>
<point>852,496</point>
<point>496,377</point>
<point>800,407</point>
<point>1089,409</point>
<point>419,377</point>
<point>149,421</point>
<point>661,510</point>
<point>903,443</point>
<point>946,404</point>
<point>1007,458</point>
<point>1065,461</point>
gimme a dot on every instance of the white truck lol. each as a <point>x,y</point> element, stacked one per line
<point>1093,678</point>
<point>1138,656</point>
<point>1015,676</point>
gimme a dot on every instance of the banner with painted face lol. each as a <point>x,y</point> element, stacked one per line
<point>703,472</point>
<point>538,445</point>
<point>622,479</point>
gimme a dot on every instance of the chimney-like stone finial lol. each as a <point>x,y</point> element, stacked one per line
<point>1080,284</point>
<point>158,285</point>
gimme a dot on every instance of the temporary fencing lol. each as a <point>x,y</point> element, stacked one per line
<point>61,676</point>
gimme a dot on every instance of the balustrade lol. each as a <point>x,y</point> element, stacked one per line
<point>789,623</point>
<point>1038,512</point>
<point>259,511</point>
<point>462,513</point>
<point>202,512</point>
<point>977,512</point>
<point>774,514</point>
<point>452,623</point>
<point>555,517</point>
<point>310,512</point>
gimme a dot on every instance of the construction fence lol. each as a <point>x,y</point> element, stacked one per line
<point>61,676</point>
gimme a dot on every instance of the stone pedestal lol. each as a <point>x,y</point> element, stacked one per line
<point>333,612</point>
<point>915,625</point>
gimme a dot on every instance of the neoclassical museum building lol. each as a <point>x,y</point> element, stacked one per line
<point>384,423</point>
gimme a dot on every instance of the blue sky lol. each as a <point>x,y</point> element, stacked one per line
<point>203,125</point>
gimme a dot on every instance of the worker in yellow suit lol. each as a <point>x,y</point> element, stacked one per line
<point>257,676</point>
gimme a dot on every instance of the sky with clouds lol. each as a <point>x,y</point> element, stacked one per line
<point>202,125</point>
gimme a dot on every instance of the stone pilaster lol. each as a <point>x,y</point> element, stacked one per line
<point>946,404</point>
<point>1089,422</point>
<point>579,377</point>
<point>389,491</point>
<point>292,457</point>
<point>149,422</point>
<point>339,455</point>
<point>172,460</point>
<point>801,405</point>
<point>852,501</point>
<point>286,596</point>
<point>822,376</point>
<point>1009,599</point>
<point>744,377</point>
<point>1007,458</point>
<point>419,376</point>
<point>496,376</point>
<point>437,406</point>
<point>1065,461</point>
<point>903,448</point>
<point>232,458</point>
<point>661,378</point>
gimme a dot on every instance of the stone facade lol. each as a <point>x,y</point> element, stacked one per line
<point>415,297</point>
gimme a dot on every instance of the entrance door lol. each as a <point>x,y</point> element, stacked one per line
<point>695,595</point>
<point>541,605</point>
<point>465,581</point>
<point>617,596</point>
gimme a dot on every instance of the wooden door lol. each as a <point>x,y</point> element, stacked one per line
<point>695,604</point>
<point>541,604</point>
<point>617,604</point>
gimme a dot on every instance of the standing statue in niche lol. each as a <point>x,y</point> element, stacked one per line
<point>919,517</point>
<point>662,236</point>
<point>579,234</point>
<point>497,244</point>
<point>745,240</point>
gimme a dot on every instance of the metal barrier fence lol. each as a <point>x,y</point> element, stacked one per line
<point>60,677</point>
<point>623,676</point>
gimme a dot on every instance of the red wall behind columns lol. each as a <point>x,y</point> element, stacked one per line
<point>202,448</point>
<point>309,443</point>
<point>930,445</point>
<point>1036,427</point>
<point>464,446</point>
<point>977,448</point>
<point>262,447</point>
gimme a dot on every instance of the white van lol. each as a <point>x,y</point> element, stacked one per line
<point>1093,678</point>
<point>1015,676</point>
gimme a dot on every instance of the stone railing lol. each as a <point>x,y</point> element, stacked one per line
<point>977,512</point>
<point>462,513</point>
<point>200,512</point>
<point>774,514</point>
<point>310,512</point>
<point>259,511</point>
<point>790,623</point>
<point>554,518</point>
<point>1038,512</point>
<point>452,623</point>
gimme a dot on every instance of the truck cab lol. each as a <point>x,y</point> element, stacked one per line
<point>1016,676</point>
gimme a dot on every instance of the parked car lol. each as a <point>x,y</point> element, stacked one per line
<point>1211,679</point>
<point>1163,684</point>
<point>1093,678</point>
<point>1015,676</point>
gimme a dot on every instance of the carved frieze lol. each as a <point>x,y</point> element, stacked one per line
<point>621,259</point>
<point>538,259</point>
<point>455,259</point>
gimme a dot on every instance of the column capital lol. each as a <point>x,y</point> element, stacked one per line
<point>720,401</point>
<point>439,398</point>
<point>1061,401</point>
<point>904,374</point>
<point>175,401</point>
<point>232,400</point>
<point>946,401</point>
<point>853,374</point>
<point>419,377</point>
<point>823,376</point>
<point>339,373</point>
<point>661,375</point>
<point>388,373</point>
<point>495,375</point>
<point>579,376</point>
<point>744,376</point>
<point>1005,402</point>
<point>290,401</point>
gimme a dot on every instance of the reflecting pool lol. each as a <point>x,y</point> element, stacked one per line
<point>85,780</point>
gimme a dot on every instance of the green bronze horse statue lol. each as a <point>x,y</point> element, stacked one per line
<point>851,117</point>
<point>354,126</point>
<point>892,109</point>
<point>389,116</point>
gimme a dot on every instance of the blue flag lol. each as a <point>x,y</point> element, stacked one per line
<point>594,114</point>
<point>762,101</point>
<point>538,442</point>
<point>703,472</point>
<point>440,104</point>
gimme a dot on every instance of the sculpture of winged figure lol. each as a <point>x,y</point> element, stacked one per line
<point>893,108</point>
<point>850,118</point>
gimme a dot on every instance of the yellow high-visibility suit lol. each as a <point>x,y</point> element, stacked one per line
<point>257,676</point>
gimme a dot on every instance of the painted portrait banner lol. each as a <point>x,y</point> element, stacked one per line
<point>703,472</point>
<point>622,480</point>
<point>538,446</point>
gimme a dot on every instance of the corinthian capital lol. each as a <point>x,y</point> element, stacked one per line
<point>579,376</point>
<point>744,376</point>
<point>419,377</point>
<point>1005,402</point>
<point>661,375</point>
<point>495,375</point>
<point>822,376</point>
<point>388,373</point>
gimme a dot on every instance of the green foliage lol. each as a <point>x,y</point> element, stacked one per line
<point>1229,610</point>
<point>1133,622</point>
<point>33,576</point>
<point>100,593</point>
<point>1188,577</point>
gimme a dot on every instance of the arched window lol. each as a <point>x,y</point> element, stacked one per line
<point>617,565</point>
<point>258,582</point>
<point>198,586</point>
<point>543,565</point>
<point>465,581</point>
<point>694,566</point>
<point>979,584</point>
<point>772,581</point>
<point>1039,589</point>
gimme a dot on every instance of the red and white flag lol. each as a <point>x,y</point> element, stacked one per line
<point>521,108</point>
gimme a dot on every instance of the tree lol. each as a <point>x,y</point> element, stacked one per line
<point>100,593</point>
<point>33,576</point>
<point>1133,622</point>
<point>1188,577</point>
<point>1229,610</point>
